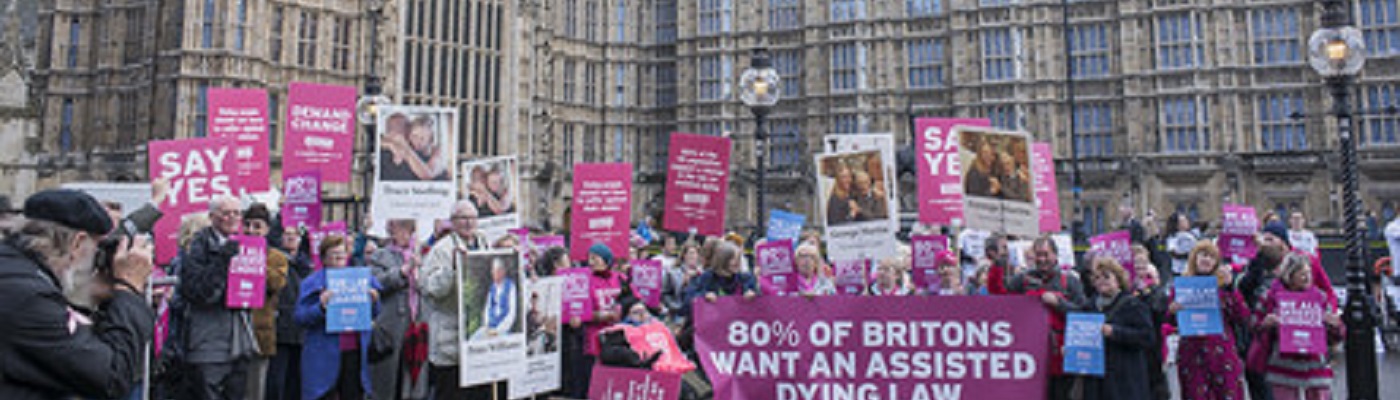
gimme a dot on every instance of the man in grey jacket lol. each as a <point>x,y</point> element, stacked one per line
<point>220,339</point>
<point>438,284</point>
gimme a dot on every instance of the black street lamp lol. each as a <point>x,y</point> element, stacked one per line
<point>1337,52</point>
<point>759,89</point>
<point>367,107</point>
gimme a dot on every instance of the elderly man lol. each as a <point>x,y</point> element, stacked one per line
<point>47,349</point>
<point>219,340</point>
<point>499,313</point>
<point>438,283</point>
<point>1061,294</point>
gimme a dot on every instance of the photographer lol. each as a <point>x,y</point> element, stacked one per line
<point>48,350</point>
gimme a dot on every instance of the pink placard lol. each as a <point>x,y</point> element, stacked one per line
<point>615,383</point>
<point>777,265</point>
<point>1300,329</point>
<point>1238,249</point>
<point>575,295</point>
<point>241,115</point>
<point>1047,192</point>
<point>1117,245</point>
<point>301,196</point>
<point>198,171</point>
<point>320,130</point>
<point>850,276</point>
<point>939,172</point>
<point>925,260</point>
<point>545,242</point>
<point>646,281</point>
<point>814,336</point>
<point>247,273</point>
<point>318,234</point>
<point>602,208</point>
<point>697,179</point>
<point>1238,219</point>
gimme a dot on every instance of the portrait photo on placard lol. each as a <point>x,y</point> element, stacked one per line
<point>414,146</point>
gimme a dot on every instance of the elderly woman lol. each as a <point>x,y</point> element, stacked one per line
<point>1127,333</point>
<point>810,280</point>
<point>335,365</point>
<point>396,268</point>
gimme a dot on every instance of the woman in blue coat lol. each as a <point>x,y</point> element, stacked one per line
<point>333,365</point>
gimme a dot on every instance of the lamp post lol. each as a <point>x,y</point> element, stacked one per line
<point>367,107</point>
<point>1337,52</point>
<point>759,89</point>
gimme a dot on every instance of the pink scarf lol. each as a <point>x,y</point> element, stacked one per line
<point>407,254</point>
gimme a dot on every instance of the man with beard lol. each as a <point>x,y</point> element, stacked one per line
<point>1061,294</point>
<point>47,349</point>
<point>219,341</point>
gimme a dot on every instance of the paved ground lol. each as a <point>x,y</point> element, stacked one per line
<point>1389,376</point>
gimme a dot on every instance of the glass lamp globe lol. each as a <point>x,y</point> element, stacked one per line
<point>1335,52</point>
<point>367,108</point>
<point>760,87</point>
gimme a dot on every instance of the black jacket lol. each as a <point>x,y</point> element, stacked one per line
<point>44,356</point>
<point>203,283</point>
<point>298,268</point>
<point>1125,352</point>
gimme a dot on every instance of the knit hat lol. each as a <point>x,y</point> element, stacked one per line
<point>1277,228</point>
<point>603,252</point>
<point>945,257</point>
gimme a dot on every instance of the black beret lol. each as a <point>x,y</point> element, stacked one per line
<point>70,208</point>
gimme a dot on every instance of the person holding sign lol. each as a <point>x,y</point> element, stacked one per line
<point>218,339</point>
<point>889,279</point>
<point>395,267</point>
<point>257,221</point>
<point>1060,294</point>
<point>1298,376</point>
<point>810,281</point>
<point>437,283</point>
<point>1208,366</point>
<point>335,365</point>
<point>1127,334</point>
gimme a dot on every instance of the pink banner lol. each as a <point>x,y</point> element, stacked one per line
<point>1300,329</point>
<point>1238,249</point>
<point>939,173</point>
<point>646,281</point>
<point>1047,192</point>
<point>1239,220</point>
<point>301,196</point>
<point>777,265</point>
<point>896,347</point>
<point>247,273</point>
<point>697,179</point>
<point>925,260</point>
<point>319,234</point>
<point>198,170</point>
<point>602,208</point>
<point>320,130</point>
<point>241,115</point>
<point>575,295</point>
<point>1117,245</point>
<point>850,276</point>
<point>615,383</point>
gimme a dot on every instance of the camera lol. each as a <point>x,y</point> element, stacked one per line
<point>107,249</point>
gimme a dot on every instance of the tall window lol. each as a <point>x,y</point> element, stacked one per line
<point>661,152</point>
<point>590,82</point>
<point>926,62</point>
<point>1178,41</point>
<point>784,14</point>
<point>211,11</point>
<point>922,8</point>
<point>847,10</point>
<point>788,63</point>
<point>666,21</point>
<point>75,29</point>
<point>240,25</point>
<point>716,16</point>
<point>1380,23</point>
<point>1381,129</point>
<point>135,34</point>
<point>1185,124</point>
<point>621,10</point>
<point>1275,36</point>
<point>620,97</point>
<point>274,120</point>
<point>590,22</point>
<point>845,124</point>
<point>1095,221</point>
<point>201,112</point>
<point>592,143</point>
<point>275,45</point>
<point>569,147</point>
<point>65,127</point>
<point>340,45</point>
<point>568,82</point>
<point>1004,116</point>
<point>306,43</point>
<point>666,85</point>
<point>994,3</point>
<point>1088,45</point>
<point>785,143</point>
<point>999,48</point>
<point>847,60</point>
<point>715,72</point>
<point>1278,130</point>
<point>1093,129</point>
<point>570,18</point>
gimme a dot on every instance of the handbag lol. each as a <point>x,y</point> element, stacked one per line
<point>381,343</point>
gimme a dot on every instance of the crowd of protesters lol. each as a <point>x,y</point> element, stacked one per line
<point>282,350</point>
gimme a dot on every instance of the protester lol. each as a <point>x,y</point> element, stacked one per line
<point>1060,295</point>
<point>44,352</point>
<point>1127,333</point>
<point>605,289</point>
<point>395,267</point>
<point>437,283</point>
<point>1298,376</point>
<point>284,370</point>
<point>1276,234</point>
<point>889,279</point>
<point>336,364</point>
<point>219,340</point>
<point>1254,286</point>
<point>810,281</point>
<point>674,279</point>
<point>1180,240</point>
<point>257,222</point>
<point>1000,270</point>
<point>950,282</point>
<point>1298,234</point>
<point>978,283</point>
<point>1209,367</point>
<point>724,277</point>
<point>1149,290</point>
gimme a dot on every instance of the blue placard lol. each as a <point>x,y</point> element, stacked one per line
<point>1084,344</point>
<point>1200,306</point>
<point>350,307</point>
<point>784,225</point>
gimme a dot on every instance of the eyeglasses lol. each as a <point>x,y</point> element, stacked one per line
<point>464,218</point>
<point>224,213</point>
